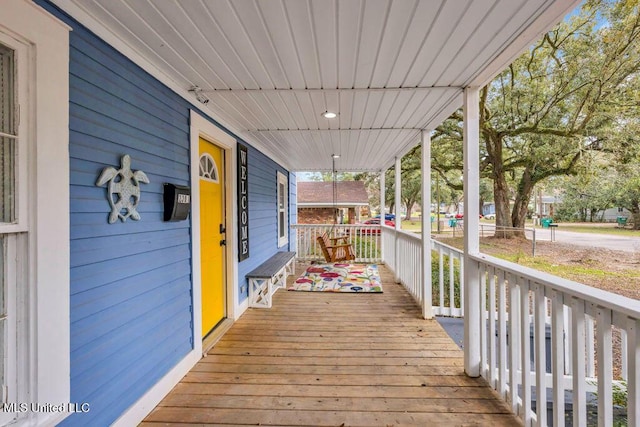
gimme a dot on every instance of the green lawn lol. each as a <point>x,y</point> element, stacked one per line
<point>412,225</point>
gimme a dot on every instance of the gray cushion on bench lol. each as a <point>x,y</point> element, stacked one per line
<point>271,266</point>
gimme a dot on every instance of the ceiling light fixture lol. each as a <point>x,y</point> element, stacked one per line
<point>329,115</point>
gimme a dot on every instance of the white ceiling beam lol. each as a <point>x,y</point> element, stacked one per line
<point>330,130</point>
<point>334,90</point>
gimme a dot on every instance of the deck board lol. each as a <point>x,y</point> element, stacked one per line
<point>318,359</point>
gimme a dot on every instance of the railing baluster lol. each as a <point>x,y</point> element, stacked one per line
<point>624,354</point>
<point>482,272</point>
<point>514,354</point>
<point>492,327</point>
<point>568,346</point>
<point>441,277</point>
<point>633,372</point>
<point>502,335</point>
<point>605,368</point>
<point>417,269</point>
<point>540,334</point>
<point>525,352</point>
<point>452,300</point>
<point>591,347</point>
<point>462,285</point>
<point>578,362</point>
<point>557,357</point>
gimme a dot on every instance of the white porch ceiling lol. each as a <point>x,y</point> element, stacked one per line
<point>389,68</point>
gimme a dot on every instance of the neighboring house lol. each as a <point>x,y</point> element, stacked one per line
<point>545,205</point>
<point>612,214</point>
<point>316,204</point>
<point>489,208</point>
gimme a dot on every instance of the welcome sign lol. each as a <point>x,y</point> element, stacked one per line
<point>243,203</point>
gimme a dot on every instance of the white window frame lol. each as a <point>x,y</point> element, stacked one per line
<point>21,55</point>
<point>283,235</point>
<point>42,264</point>
<point>11,237</point>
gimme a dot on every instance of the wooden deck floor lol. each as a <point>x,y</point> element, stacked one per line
<point>319,359</point>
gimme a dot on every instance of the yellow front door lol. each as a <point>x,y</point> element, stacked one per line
<point>212,235</point>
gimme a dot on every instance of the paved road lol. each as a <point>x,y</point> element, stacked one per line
<point>606,241</point>
<point>589,240</point>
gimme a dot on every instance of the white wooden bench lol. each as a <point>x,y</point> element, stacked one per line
<point>268,277</point>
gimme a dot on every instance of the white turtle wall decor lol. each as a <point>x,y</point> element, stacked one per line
<point>123,189</point>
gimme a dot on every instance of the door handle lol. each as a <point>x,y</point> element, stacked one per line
<point>223,242</point>
<point>222,228</point>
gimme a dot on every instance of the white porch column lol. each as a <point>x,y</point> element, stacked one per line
<point>383,196</point>
<point>398,220</point>
<point>398,192</point>
<point>471,154</point>
<point>427,305</point>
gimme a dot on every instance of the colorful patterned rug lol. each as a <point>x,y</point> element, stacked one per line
<point>339,278</point>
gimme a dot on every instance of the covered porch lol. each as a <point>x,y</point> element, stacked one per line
<point>334,359</point>
<point>390,72</point>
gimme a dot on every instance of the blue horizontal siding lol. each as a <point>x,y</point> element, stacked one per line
<point>116,395</point>
<point>90,276</point>
<point>135,80</point>
<point>263,225</point>
<point>131,291</point>
<point>131,285</point>
<point>90,225</point>
<point>111,343</point>
<point>128,386</point>
<point>115,349</point>
<point>92,154</point>
<point>98,249</point>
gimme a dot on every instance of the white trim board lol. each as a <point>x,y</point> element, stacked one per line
<point>202,127</point>
<point>139,410</point>
<point>47,358</point>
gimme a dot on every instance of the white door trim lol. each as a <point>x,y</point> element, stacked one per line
<point>204,128</point>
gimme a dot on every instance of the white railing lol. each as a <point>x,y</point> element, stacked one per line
<point>577,345</point>
<point>364,238</point>
<point>448,295</point>
<point>389,247</point>
<point>408,265</point>
<point>540,340</point>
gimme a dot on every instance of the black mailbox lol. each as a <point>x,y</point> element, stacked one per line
<point>177,202</point>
